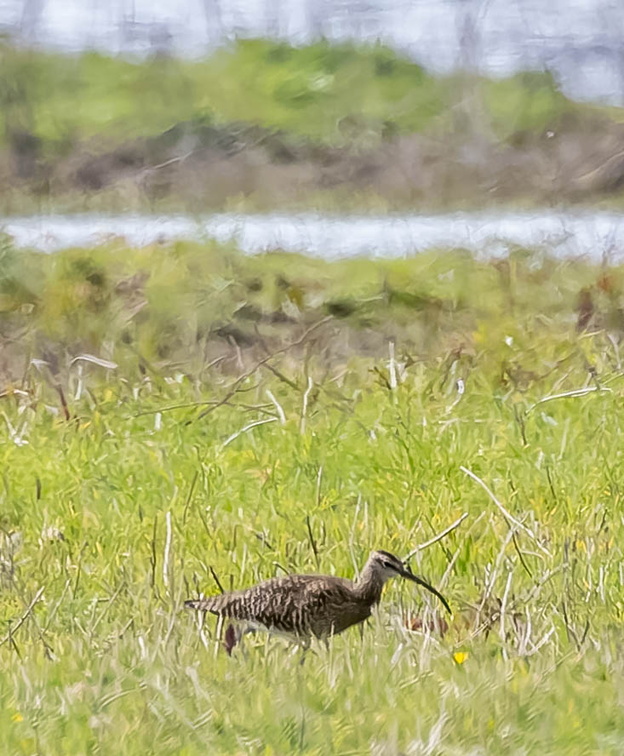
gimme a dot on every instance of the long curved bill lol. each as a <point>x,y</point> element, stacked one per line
<point>409,575</point>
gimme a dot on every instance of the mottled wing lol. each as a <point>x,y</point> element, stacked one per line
<point>295,604</point>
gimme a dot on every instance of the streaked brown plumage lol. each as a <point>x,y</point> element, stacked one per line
<point>311,605</point>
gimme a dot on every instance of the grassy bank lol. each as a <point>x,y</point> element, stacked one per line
<point>327,93</point>
<point>263,125</point>
<point>126,489</point>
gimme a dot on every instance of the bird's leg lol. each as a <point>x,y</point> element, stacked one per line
<point>304,646</point>
<point>242,632</point>
<point>230,639</point>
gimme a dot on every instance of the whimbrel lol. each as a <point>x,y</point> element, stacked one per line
<point>305,606</point>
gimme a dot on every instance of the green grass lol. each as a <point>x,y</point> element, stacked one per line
<point>329,93</point>
<point>122,511</point>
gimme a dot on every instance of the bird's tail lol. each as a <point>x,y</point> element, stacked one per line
<point>210,604</point>
<point>231,604</point>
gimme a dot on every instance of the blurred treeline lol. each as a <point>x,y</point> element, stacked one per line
<point>261,125</point>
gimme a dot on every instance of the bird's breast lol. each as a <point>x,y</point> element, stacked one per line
<point>350,616</point>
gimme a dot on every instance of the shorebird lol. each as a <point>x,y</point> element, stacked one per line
<point>306,606</point>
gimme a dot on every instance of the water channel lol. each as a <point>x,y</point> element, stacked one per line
<point>565,234</point>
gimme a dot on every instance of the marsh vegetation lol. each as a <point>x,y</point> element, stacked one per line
<point>182,417</point>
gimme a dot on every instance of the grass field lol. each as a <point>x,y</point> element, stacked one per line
<point>125,490</point>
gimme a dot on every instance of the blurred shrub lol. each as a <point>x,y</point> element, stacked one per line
<point>308,90</point>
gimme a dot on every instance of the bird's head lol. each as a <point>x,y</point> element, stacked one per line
<point>385,565</point>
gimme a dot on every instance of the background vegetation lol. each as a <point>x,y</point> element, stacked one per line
<point>307,91</point>
<point>263,125</point>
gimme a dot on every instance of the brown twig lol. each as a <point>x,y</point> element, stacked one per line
<point>235,386</point>
<point>215,577</point>
<point>9,636</point>
<point>312,541</point>
<point>284,378</point>
<point>189,496</point>
<point>64,406</point>
<point>194,405</point>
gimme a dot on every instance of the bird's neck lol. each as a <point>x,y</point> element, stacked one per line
<point>369,586</point>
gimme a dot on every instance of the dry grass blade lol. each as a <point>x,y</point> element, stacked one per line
<point>106,364</point>
<point>453,526</point>
<point>278,407</point>
<point>506,514</point>
<point>234,436</point>
<point>304,406</point>
<point>569,395</point>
